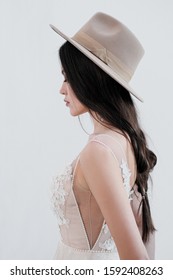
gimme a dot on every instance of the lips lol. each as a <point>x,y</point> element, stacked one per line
<point>67,102</point>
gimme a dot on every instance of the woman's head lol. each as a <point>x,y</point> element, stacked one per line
<point>95,89</point>
<point>100,94</point>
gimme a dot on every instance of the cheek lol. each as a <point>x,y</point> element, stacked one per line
<point>77,108</point>
<point>75,102</point>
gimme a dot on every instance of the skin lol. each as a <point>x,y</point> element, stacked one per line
<point>75,106</point>
<point>106,185</point>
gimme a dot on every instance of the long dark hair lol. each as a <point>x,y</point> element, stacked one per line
<point>112,102</point>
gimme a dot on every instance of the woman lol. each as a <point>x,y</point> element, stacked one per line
<point>101,199</point>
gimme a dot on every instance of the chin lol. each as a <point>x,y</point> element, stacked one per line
<point>74,113</point>
<point>77,113</point>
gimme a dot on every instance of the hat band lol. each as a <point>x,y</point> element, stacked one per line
<point>103,54</point>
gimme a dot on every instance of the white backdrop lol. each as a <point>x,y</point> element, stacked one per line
<point>38,136</point>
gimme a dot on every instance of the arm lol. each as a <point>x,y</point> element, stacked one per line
<point>103,176</point>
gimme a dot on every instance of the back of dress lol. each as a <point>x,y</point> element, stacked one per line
<point>84,232</point>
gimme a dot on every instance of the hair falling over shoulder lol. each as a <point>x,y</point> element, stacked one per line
<point>113,103</point>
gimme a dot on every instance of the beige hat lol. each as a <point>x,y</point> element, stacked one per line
<point>110,45</point>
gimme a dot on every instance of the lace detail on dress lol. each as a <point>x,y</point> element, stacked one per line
<point>108,244</point>
<point>59,193</point>
<point>105,228</point>
<point>69,221</point>
<point>126,178</point>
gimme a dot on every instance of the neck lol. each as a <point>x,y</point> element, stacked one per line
<point>99,126</point>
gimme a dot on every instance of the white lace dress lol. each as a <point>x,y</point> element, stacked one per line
<point>74,242</point>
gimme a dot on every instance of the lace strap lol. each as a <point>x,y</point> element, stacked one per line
<point>74,169</point>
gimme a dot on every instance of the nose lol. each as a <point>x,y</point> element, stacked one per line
<point>62,89</point>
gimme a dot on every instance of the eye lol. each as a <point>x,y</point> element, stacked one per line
<point>65,78</point>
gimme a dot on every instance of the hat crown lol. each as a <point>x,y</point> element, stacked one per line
<point>104,35</point>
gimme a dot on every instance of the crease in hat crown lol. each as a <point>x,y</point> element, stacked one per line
<point>110,45</point>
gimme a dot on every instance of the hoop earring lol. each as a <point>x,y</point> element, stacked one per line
<point>82,126</point>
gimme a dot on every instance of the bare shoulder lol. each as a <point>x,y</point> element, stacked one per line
<point>99,166</point>
<point>96,153</point>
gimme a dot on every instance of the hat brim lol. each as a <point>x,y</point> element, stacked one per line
<point>98,62</point>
